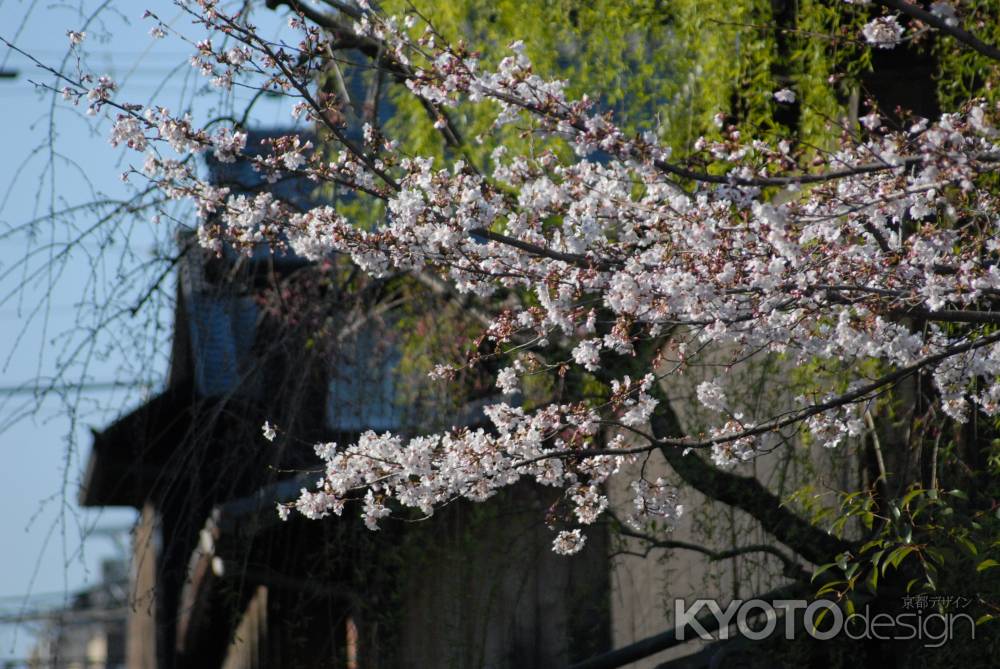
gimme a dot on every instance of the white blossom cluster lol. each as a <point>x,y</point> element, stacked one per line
<point>655,501</point>
<point>569,542</point>
<point>883,32</point>
<point>712,395</point>
<point>891,229</point>
<point>549,446</point>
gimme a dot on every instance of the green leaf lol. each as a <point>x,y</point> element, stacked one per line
<point>870,545</point>
<point>818,619</point>
<point>820,569</point>
<point>959,494</point>
<point>935,554</point>
<point>896,556</point>
<point>908,497</point>
<point>830,587</point>
<point>968,545</point>
<point>872,581</point>
<point>987,564</point>
<point>985,618</point>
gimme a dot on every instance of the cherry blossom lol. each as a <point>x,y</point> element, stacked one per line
<point>883,32</point>
<point>654,501</point>
<point>620,246</point>
<point>569,542</point>
<point>785,95</point>
<point>712,395</point>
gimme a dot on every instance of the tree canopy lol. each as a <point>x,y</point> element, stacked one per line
<point>637,194</point>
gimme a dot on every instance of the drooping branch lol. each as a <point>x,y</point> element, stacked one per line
<point>790,567</point>
<point>744,493</point>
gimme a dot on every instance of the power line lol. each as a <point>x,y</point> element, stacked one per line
<point>64,616</point>
<point>36,389</point>
<point>55,598</point>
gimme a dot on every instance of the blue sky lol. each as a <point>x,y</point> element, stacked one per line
<point>45,298</point>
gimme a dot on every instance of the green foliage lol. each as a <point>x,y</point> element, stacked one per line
<point>924,541</point>
<point>829,66</point>
<point>964,74</point>
<point>671,66</point>
<point>621,52</point>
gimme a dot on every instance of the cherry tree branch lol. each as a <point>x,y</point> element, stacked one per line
<point>965,37</point>
<point>744,493</point>
<point>790,567</point>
